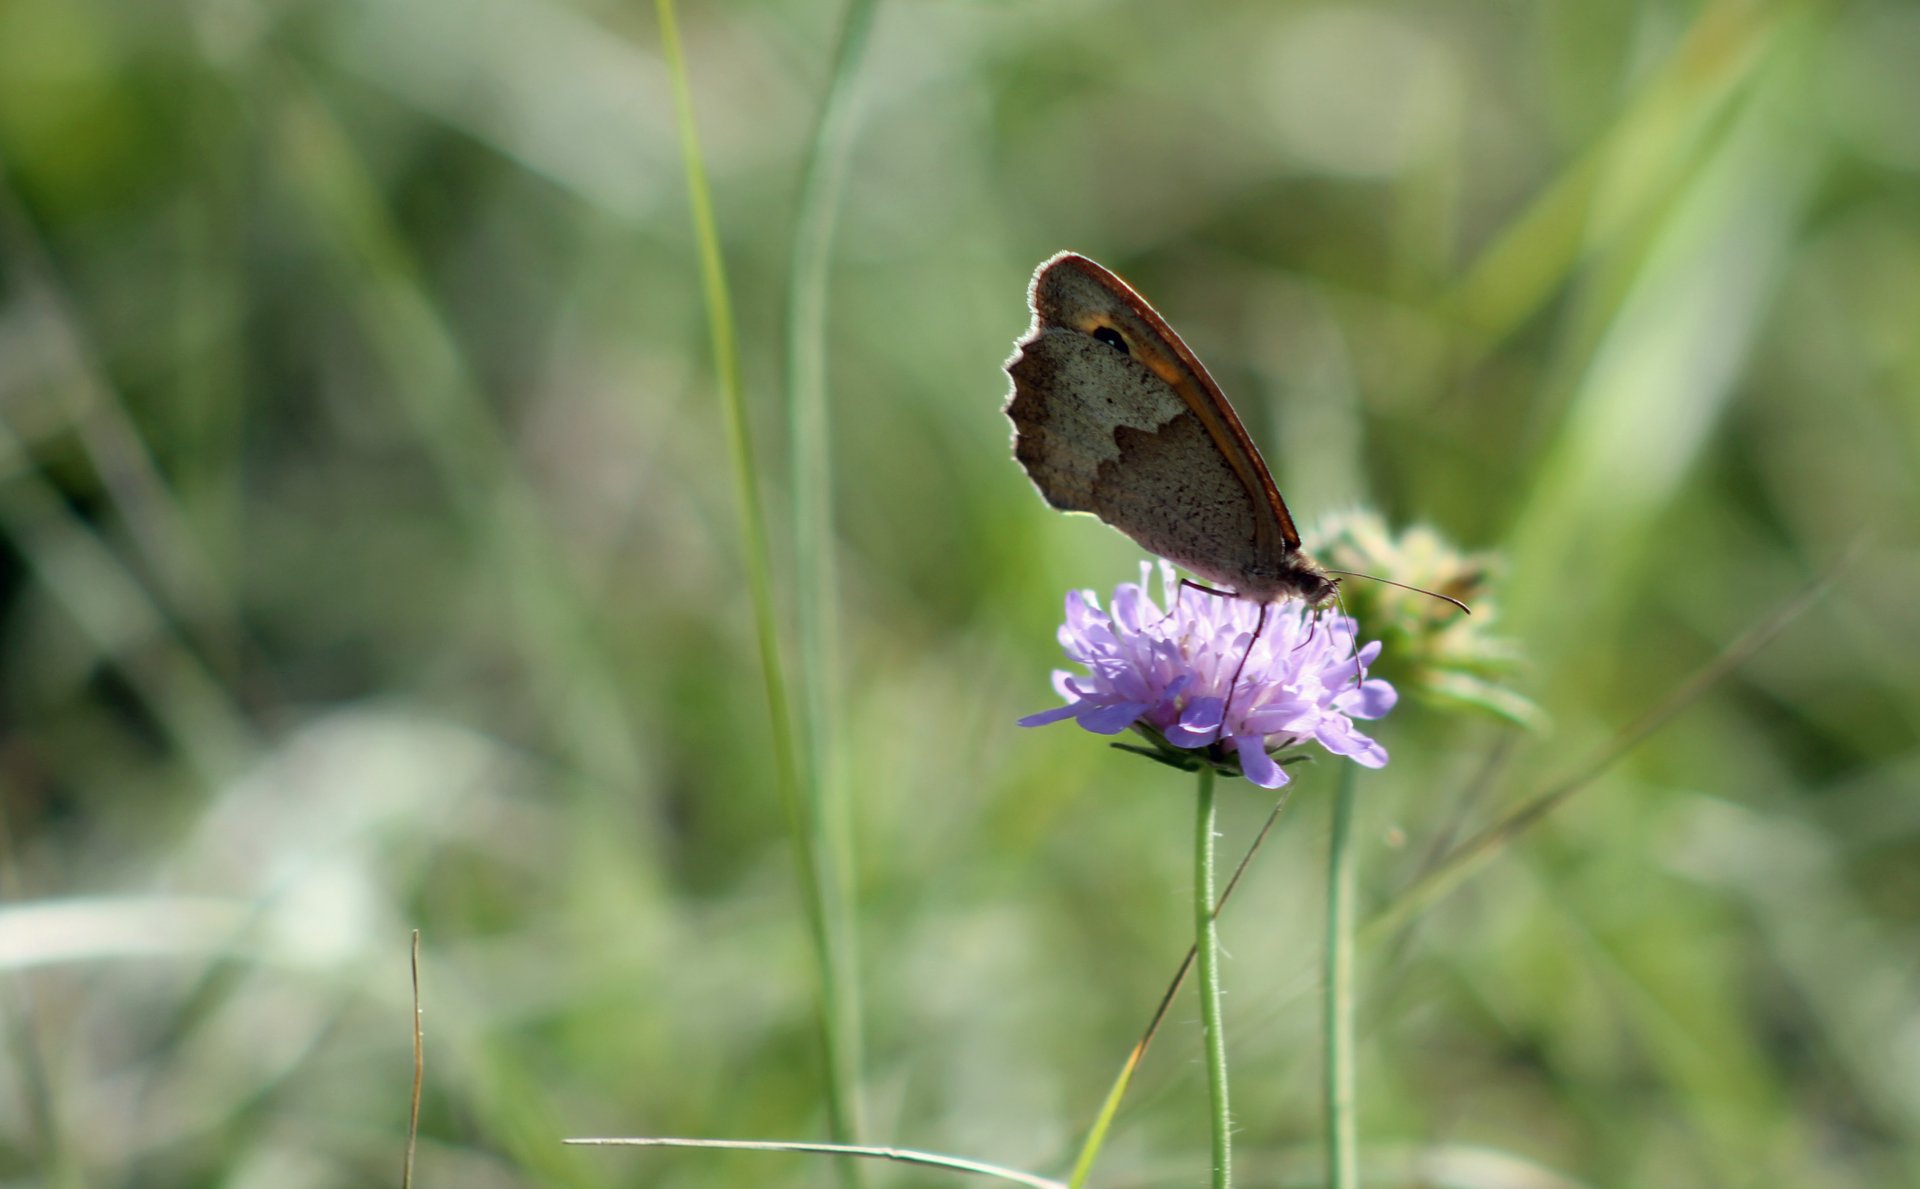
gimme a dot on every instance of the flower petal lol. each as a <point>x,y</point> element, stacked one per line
<point>1339,737</point>
<point>1284,716</point>
<point>1110,720</point>
<point>1199,724</point>
<point>1372,700</point>
<point>1126,608</point>
<point>1351,664</point>
<point>1255,764</point>
<point>1054,715</point>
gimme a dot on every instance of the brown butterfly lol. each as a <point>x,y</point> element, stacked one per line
<point>1113,415</point>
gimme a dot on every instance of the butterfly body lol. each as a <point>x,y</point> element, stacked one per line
<point>1115,416</point>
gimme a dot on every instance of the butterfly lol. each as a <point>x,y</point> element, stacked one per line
<point>1113,414</point>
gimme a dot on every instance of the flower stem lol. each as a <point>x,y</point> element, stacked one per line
<point>1342,1142</point>
<point>1206,942</point>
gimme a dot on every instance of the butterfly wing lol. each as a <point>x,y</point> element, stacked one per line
<point>1113,415</point>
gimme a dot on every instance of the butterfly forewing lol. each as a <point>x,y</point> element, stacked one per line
<point>1114,415</point>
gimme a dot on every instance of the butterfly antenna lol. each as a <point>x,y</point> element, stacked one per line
<point>1432,594</point>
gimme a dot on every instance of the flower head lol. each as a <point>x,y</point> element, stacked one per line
<point>1165,674</point>
<point>1434,651</point>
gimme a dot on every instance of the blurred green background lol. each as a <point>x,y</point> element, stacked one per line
<point>371,562</point>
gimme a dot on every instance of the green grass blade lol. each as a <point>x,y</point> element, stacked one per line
<point>816,601</point>
<point>759,569</point>
<point>456,431</point>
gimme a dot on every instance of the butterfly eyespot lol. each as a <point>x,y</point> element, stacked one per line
<point>1112,338</point>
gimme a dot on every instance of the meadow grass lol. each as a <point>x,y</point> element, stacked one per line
<point>415,495</point>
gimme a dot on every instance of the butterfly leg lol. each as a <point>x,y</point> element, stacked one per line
<point>1200,586</point>
<point>1227,703</point>
<point>1214,591</point>
<point>1359,670</point>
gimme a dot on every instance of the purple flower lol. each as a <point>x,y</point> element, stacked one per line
<point>1166,673</point>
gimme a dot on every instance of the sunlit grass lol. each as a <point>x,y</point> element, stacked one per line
<point>374,563</point>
